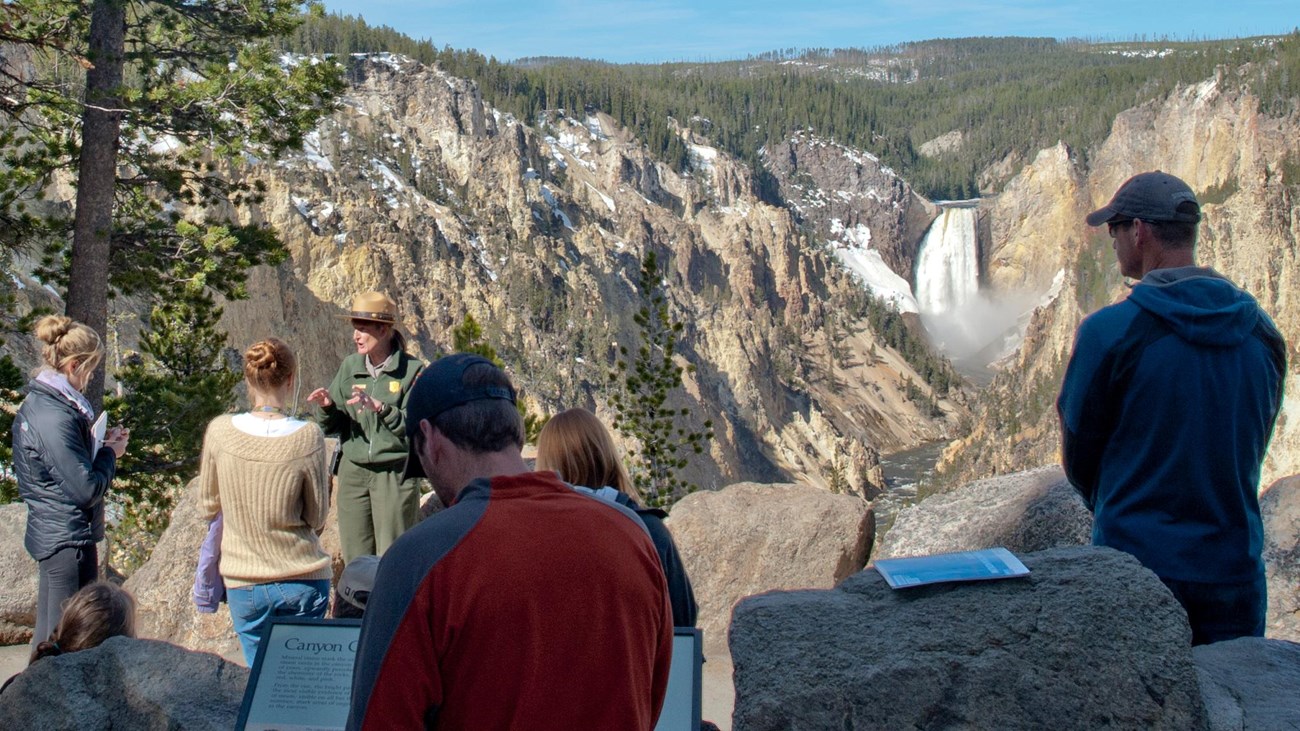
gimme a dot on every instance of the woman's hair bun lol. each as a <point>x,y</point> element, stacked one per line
<point>66,340</point>
<point>269,363</point>
<point>46,648</point>
<point>260,355</point>
<point>51,328</point>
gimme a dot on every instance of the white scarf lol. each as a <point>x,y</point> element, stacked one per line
<point>59,382</point>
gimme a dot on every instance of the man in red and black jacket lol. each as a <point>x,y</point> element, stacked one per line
<point>523,605</point>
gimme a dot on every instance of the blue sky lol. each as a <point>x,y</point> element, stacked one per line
<point>692,30</point>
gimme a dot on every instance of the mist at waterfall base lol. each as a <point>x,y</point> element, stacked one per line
<point>971,329</point>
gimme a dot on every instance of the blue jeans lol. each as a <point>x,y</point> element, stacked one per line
<point>1219,612</point>
<point>252,607</point>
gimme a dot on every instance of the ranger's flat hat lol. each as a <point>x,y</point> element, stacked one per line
<point>373,306</point>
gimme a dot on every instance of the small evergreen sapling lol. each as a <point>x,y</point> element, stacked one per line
<point>11,383</point>
<point>179,383</point>
<point>640,382</point>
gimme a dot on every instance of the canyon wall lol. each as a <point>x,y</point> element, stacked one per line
<point>1245,168</point>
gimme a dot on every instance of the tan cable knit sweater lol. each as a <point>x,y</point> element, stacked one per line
<point>274,494</point>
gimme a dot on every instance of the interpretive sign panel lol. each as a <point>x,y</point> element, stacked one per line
<point>302,677</point>
<point>990,563</point>
<point>685,683</point>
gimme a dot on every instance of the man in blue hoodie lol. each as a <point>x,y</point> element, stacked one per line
<point>1166,412</point>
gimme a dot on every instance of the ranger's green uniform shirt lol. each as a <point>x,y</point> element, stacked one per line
<point>368,437</point>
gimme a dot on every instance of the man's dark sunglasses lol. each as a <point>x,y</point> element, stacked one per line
<point>1112,226</point>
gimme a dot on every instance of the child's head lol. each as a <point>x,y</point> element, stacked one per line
<point>92,615</point>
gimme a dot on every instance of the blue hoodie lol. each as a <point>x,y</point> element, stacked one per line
<point>1166,412</point>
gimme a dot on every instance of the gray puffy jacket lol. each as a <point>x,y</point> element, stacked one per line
<point>61,482</point>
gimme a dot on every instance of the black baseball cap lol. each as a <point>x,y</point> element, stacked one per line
<point>438,388</point>
<point>1153,196</point>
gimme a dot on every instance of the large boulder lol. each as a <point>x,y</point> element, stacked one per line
<point>1089,639</point>
<point>749,538</point>
<point>1024,512</point>
<point>126,684</point>
<point>1280,505</point>
<point>18,578</point>
<point>1250,684</point>
<point>162,585</point>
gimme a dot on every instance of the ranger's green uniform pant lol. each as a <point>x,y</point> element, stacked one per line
<point>375,507</point>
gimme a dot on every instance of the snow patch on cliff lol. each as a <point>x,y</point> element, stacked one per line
<point>312,151</point>
<point>853,249</point>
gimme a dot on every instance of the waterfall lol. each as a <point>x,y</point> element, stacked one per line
<point>947,283</point>
<point>947,266</point>
<point>973,327</point>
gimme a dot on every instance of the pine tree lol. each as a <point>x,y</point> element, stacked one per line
<point>467,337</point>
<point>178,383</point>
<point>155,103</point>
<point>171,390</point>
<point>11,383</point>
<point>640,382</point>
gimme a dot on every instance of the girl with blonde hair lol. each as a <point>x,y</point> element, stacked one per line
<point>264,471</point>
<point>577,446</point>
<point>63,473</point>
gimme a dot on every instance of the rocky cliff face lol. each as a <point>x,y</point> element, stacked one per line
<point>848,198</point>
<point>1243,165</point>
<point>418,188</point>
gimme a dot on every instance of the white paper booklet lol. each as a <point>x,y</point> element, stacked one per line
<point>99,429</point>
<point>990,563</point>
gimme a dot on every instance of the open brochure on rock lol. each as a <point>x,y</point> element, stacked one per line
<point>982,565</point>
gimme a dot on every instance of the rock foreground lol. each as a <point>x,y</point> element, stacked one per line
<point>126,684</point>
<point>18,578</point>
<point>1037,509</point>
<point>1280,506</point>
<point>161,586</point>
<point>1022,512</point>
<point>749,538</point>
<point>1089,639</point>
<point>1250,684</point>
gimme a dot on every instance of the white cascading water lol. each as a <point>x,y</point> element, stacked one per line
<point>947,266</point>
<point>947,282</point>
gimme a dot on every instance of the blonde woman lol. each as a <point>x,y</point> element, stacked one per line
<point>62,474</point>
<point>265,472</point>
<point>577,447</point>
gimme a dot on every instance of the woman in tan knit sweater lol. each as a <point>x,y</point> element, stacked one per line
<point>265,472</point>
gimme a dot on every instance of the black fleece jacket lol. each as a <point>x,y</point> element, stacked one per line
<point>61,482</point>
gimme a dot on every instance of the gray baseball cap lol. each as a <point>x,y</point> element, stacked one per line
<point>358,580</point>
<point>1153,196</point>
